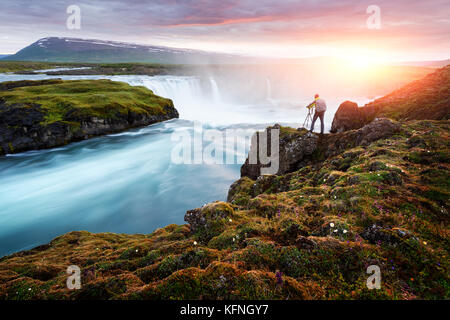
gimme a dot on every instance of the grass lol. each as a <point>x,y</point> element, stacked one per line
<point>427,98</point>
<point>87,98</point>
<point>95,68</point>
<point>18,66</point>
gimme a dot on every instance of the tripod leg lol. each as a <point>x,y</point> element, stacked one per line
<point>308,118</point>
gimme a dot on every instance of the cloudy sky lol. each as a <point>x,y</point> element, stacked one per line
<point>409,29</point>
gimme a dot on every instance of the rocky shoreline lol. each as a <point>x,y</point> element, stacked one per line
<point>23,126</point>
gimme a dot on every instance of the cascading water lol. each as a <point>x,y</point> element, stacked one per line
<point>215,90</point>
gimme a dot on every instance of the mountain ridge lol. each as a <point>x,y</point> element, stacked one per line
<point>57,49</point>
<point>64,49</point>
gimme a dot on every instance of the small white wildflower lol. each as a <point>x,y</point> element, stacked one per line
<point>332,224</point>
<point>335,197</point>
<point>345,231</point>
<point>234,239</point>
<point>378,174</point>
<point>195,243</point>
<point>29,289</point>
<point>137,250</point>
<point>230,220</point>
<point>425,243</point>
<point>336,230</point>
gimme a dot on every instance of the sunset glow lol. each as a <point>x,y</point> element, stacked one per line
<point>407,30</point>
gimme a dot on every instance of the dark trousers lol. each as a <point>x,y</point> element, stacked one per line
<point>318,115</point>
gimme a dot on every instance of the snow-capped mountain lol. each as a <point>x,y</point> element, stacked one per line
<point>57,49</point>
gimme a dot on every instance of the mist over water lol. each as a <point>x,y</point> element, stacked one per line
<point>126,182</point>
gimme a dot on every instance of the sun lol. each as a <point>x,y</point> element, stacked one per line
<point>361,62</point>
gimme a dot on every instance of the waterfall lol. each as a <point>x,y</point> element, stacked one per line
<point>182,90</point>
<point>192,97</point>
<point>215,90</point>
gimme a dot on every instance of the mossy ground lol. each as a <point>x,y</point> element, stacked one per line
<point>427,98</point>
<point>384,204</point>
<point>85,98</point>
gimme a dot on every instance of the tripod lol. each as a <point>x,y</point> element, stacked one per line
<point>308,119</point>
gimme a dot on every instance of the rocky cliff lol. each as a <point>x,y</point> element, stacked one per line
<point>50,113</point>
<point>299,148</point>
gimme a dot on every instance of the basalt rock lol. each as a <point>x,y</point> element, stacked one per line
<point>21,127</point>
<point>294,147</point>
<point>347,117</point>
<point>299,148</point>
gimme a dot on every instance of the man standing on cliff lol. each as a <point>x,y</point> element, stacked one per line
<point>321,107</point>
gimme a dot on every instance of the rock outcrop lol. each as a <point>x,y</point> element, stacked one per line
<point>294,146</point>
<point>209,221</point>
<point>298,148</point>
<point>348,117</point>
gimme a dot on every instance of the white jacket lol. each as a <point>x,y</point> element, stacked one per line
<point>321,106</point>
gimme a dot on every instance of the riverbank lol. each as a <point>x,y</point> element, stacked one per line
<point>50,113</point>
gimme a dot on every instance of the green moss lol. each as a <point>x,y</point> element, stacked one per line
<point>72,99</point>
<point>16,66</point>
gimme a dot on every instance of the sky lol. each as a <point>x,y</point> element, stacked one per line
<point>408,30</point>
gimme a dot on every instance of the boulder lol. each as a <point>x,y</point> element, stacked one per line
<point>294,147</point>
<point>389,236</point>
<point>209,221</point>
<point>347,117</point>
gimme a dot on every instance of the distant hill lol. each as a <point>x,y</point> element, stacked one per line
<point>81,50</point>
<point>427,98</point>
<point>4,56</point>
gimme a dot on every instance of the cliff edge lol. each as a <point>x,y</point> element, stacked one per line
<point>50,113</point>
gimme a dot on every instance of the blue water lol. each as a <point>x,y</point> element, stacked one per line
<point>123,183</point>
<point>126,182</point>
